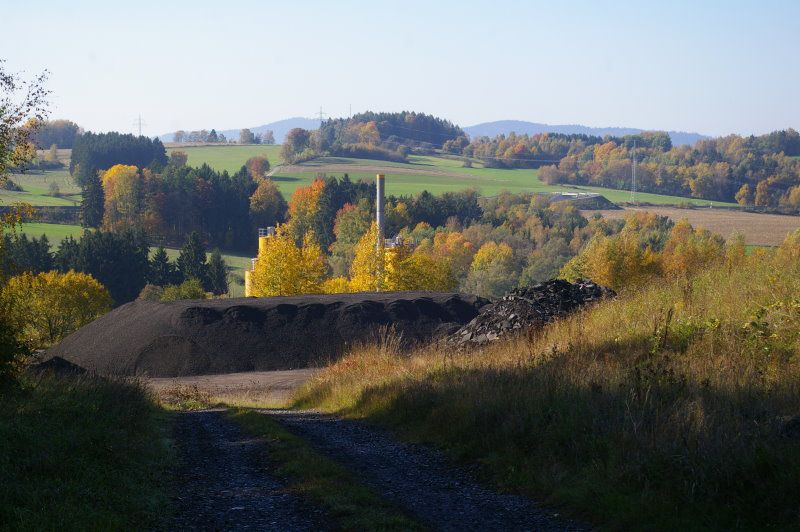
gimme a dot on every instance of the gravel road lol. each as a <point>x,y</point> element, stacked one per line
<point>223,482</point>
<point>419,479</point>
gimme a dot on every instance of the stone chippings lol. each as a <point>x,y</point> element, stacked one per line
<point>528,307</point>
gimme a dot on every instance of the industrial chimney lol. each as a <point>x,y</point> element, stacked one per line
<point>379,209</point>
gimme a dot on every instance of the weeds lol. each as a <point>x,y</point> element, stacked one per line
<point>666,408</point>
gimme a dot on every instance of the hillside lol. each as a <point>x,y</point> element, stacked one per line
<point>673,407</point>
<point>504,127</point>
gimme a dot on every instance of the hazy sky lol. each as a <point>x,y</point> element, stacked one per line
<point>714,67</point>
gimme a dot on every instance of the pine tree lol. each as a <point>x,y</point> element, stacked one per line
<point>217,274</point>
<point>92,209</point>
<point>162,271</point>
<point>192,260</point>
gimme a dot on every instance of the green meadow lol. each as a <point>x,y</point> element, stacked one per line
<point>228,157</point>
<point>488,181</point>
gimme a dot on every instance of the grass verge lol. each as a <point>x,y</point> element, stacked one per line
<point>353,505</point>
<point>676,406</point>
<point>81,454</point>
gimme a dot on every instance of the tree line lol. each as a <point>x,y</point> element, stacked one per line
<point>384,136</point>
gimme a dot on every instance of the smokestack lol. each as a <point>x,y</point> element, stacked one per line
<point>379,209</point>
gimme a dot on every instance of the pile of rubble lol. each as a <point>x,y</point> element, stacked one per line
<point>526,307</point>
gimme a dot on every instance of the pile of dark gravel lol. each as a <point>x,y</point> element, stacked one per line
<point>527,307</point>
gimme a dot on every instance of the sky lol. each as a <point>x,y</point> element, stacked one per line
<point>714,67</point>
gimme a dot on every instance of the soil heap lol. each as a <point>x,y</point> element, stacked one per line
<point>183,338</point>
<point>527,307</point>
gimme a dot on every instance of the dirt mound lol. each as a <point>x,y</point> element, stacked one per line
<point>255,334</point>
<point>527,307</point>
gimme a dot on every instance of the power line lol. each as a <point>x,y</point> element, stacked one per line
<point>139,122</point>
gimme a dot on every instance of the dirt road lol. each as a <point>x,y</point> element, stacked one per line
<point>265,387</point>
<point>223,483</point>
<point>418,479</point>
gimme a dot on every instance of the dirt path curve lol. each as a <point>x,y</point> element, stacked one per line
<point>418,479</point>
<point>223,481</point>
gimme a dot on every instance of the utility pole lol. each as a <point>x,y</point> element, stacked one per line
<point>140,123</point>
<point>321,114</point>
<point>633,180</point>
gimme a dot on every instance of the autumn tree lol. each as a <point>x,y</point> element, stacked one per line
<point>268,137</point>
<point>246,137</point>
<point>297,141</point>
<point>257,166</point>
<point>366,271</point>
<point>492,271</point>
<point>283,268</point>
<point>123,188</point>
<point>304,207</point>
<point>178,158</point>
<point>23,108</point>
<point>744,196</point>
<point>352,222</point>
<point>690,250</point>
<point>47,306</point>
<point>267,206</point>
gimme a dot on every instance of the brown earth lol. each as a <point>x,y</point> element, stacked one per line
<point>758,229</point>
<point>183,338</point>
<point>258,387</point>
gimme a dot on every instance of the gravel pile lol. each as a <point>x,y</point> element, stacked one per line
<point>183,338</point>
<point>527,307</point>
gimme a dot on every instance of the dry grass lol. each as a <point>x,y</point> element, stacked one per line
<point>758,229</point>
<point>663,409</point>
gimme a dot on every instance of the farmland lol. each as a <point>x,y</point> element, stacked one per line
<point>435,174</point>
<point>36,189</point>
<point>758,229</point>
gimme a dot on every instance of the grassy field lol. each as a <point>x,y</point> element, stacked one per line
<point>228,157</point>
<point>85,454</point>
<point>409,178</point>
<point>36,189</point>
<point>675,407</point>
<point>55,232</point>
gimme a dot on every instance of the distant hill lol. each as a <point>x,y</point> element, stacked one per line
<point>492,129</point>
<point>279,129</point>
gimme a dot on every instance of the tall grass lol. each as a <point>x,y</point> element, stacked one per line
<point>666,408</point>
<point>81,454</point>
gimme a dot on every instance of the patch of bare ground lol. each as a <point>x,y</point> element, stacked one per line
<point>758,229</point>
<point>254,388</point>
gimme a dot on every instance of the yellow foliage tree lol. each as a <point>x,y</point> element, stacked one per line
<point>336,285</point>
<point>688,250</point>
<point>123,188</point>
<point>284,269</point>
<point>46,307</point>
<point>366,271</point>
<point>617,261</point>
<point>789,250</point>
<point>303,208</point>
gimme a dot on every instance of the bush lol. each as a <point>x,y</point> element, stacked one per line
<point>189,289</point>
